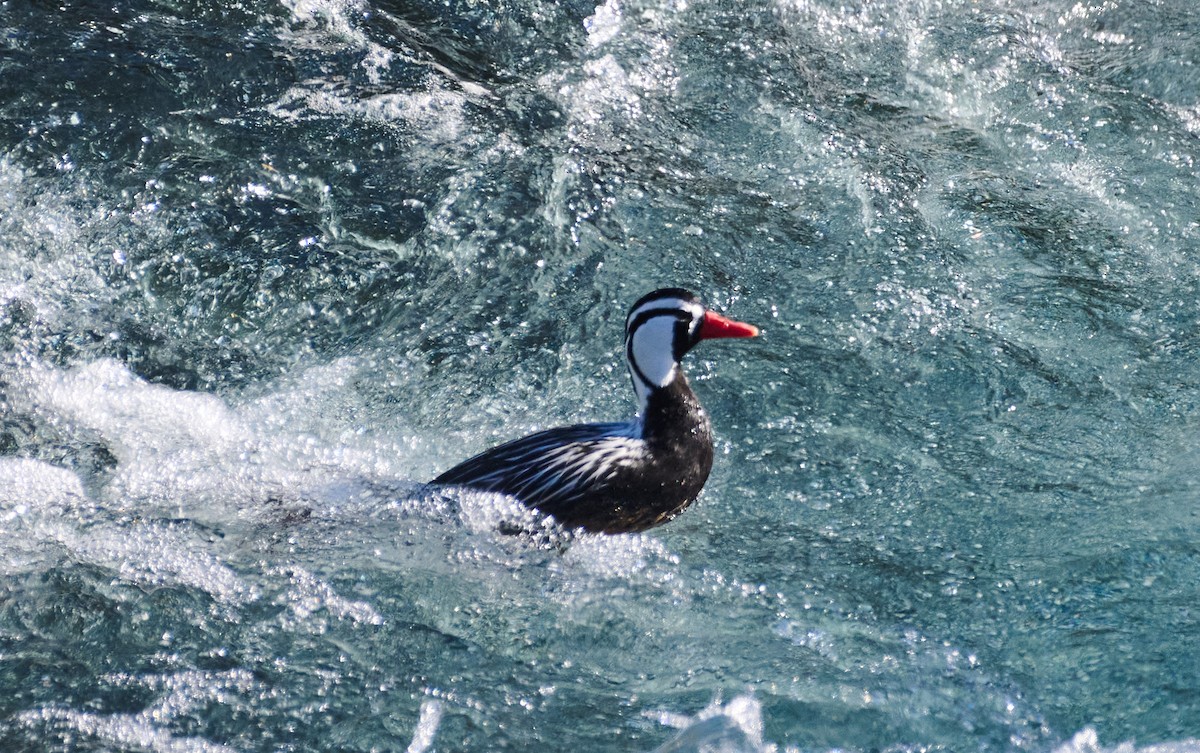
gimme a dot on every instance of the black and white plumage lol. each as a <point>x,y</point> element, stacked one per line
<point>618,477</point>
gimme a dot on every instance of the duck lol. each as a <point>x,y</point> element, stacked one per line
<point>625,476</point>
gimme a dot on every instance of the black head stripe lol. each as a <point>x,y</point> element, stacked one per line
<point>681,314</point>
<point>670,298</point>
<point>678,294</point>
<point>683,340</point>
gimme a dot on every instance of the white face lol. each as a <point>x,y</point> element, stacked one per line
<point>653,349</point>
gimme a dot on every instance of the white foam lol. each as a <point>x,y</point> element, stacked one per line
<point>322,24</point>
<point>156,554</point>
<point>608,91</point>
<point>603,25</point>
<point>169,444</point>
<point>438,115</point>
<point>131,732</point>
<point>734,726</point>
<point>1087,741</point>
<point>45,513</point>
<point>624,557</point>
<point>36,502</point>
<point>47,251</point>
<point>1188,116</point>
<point>308,595</point>
<point>193,454</point>
<point>427,724</point>
<point>27,483</point>
<point>147,730</point>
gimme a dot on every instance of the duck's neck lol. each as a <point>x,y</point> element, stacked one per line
<point>673,414</point>
<point>650,372</point>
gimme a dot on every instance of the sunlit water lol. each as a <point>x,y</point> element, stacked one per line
<point>266,267</point>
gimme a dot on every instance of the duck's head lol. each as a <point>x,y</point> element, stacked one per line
<point>664,325</point>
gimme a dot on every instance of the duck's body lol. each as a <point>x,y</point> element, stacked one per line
<point>619,477</point>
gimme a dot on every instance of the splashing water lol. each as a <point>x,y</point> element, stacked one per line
<point>267,267</point>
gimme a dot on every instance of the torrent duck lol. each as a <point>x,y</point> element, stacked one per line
<point>620,477</point>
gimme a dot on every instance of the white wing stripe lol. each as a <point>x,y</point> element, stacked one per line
<point>555,466</point>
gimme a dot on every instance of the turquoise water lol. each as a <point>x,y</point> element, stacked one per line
<point>265,267</point>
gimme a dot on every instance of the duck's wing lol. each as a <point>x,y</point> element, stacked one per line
<point>553,467</point>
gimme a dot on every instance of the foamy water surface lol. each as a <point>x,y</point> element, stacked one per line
<point>267,267</point>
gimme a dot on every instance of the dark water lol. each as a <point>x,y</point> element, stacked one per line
<point>265,266</point>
